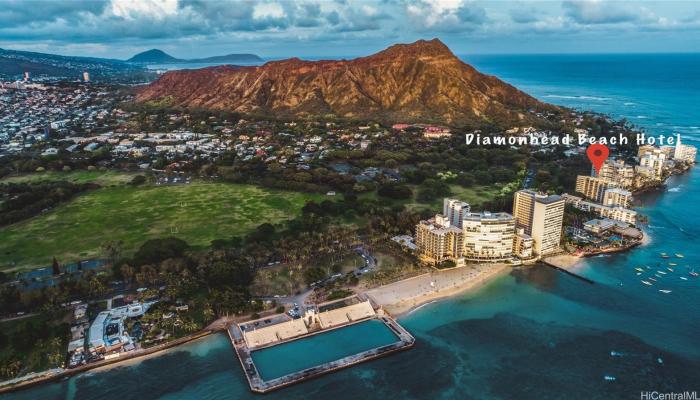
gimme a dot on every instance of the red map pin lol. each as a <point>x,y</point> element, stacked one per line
<point>597,153</point>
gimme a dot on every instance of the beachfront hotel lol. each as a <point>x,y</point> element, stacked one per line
<point>437,241</point>
<point>618,172</point>
<point>651,162</point>
<point>488,236</point>
<point>593,188</point>
<point>616,213</point>
<point>684,153</point>
<point>617,197</point>
<point>460,235</point>
<point>541,217</point>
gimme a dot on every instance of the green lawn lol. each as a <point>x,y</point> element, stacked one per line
<point>475,196</point>
<point>198,213</point>
<point>103,178</point>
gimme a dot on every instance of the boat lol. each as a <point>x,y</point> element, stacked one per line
<point>664,291</point>
<point>672,264</point>
<point>652,279</point>
<point>662,272</point>
<point>684,278</point>
<point>679,255</point>
<point>610,378</point>
<point>693,273</point>
<point>664,255</point>
<point>658,276</point>
<point>639,269</point>
<point>660,360</point>
<point>647,283</point>
<point>639,273</point>
<point>669,268</point>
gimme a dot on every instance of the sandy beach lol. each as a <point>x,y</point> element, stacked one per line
<point>565,261</point>
<point>400,297</point>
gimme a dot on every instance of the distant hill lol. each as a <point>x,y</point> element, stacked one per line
<point>155,56</point>
<point>418,82</point>
<point>13,63</point>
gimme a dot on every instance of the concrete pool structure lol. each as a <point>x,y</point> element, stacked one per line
<point>250,337</point>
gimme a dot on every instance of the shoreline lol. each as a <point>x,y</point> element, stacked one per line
<point>403,297</point>
<point>570,261</point>
<point>44,377</point>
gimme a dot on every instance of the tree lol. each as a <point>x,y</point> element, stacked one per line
<point>314,274</point>
<point>395,191</point>
<point>138,180</point>
<point>127,272</point>
<point>156,250</point>
<point>112,250</point>
<point>56,269</point>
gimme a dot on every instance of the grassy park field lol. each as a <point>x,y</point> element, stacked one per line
<point>197,213</point>
<point>103,178</point>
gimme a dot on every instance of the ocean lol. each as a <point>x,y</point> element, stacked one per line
<point>535,333</point>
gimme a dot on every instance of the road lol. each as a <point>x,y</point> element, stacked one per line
<point>370,264</point>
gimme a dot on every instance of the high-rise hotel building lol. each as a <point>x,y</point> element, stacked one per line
<point>460,235</point>
<point>540,216</point>
<point>437,241</point>
<point>616,171</point>
<point>593,188</point>
<point>455,210</point>
<point>488,236</point>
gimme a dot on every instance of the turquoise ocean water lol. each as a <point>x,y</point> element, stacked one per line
<point>535,333</point>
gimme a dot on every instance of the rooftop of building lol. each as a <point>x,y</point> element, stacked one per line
<point>486,215</point>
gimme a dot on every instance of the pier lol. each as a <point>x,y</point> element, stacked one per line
<point>244,349</point>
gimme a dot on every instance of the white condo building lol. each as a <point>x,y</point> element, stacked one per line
<point>459,235</point>
<point>488,236</point>
<point>684,152</point>
<point>455,210</point>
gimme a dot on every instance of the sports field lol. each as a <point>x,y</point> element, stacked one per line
<point>198,213</point>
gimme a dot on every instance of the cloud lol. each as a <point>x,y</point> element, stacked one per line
<point>349,18</point>
<point>589,12</point>
<point>524,15</point>
<point>445,15</point>
<point>295,24</point>
<point>15,13</point>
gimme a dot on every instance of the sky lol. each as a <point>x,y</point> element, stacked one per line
<point>345,28</point>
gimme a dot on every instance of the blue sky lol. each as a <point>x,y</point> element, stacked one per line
<point>333,28</point>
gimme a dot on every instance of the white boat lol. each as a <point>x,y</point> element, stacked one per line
<point>679,255</point>
<point>652,279</point>
<point>662,272</point>
<point>669,268</point>
<point>672,264</point>
<point>693,273</point>
<point>664,291</point>
<point>684,278</point>
<point>610,378</point>
<point>639,269</point>
<point>647,283</point>
<point>639,273</point>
